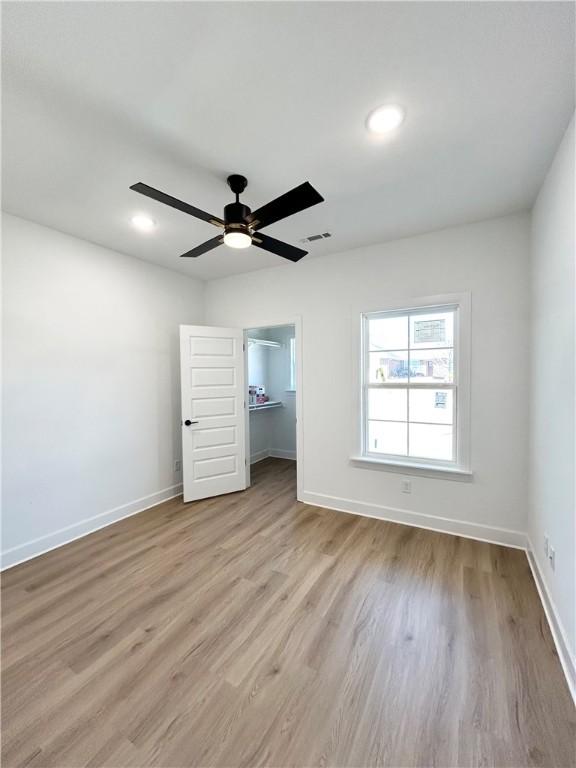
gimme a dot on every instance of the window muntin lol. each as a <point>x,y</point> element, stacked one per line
<point>410,390</point>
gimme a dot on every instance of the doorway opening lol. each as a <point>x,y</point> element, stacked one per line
<point>272,396</point>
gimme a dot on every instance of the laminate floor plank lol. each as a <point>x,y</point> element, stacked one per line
<point>254,630</point>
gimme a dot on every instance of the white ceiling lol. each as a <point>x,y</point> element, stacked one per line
<point>100,95</point>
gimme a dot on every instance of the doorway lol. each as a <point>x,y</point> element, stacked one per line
<point>272,397</point>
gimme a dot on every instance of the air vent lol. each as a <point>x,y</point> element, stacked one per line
<point>313,238</point>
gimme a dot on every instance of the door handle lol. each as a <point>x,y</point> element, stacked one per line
<point>188,422</point>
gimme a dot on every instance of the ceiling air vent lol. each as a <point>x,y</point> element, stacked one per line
<point>312,238</point>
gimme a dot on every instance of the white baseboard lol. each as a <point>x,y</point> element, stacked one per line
<point>567,659</point>
<point>490,534</point>
<point>279,454</point>
<point>259,456</point>
<point>42,544</point>
<point>274,453</point>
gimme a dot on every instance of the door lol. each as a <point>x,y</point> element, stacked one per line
<point>213,402</point>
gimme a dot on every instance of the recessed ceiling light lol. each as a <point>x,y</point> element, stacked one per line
<point>385,119</point>
<point>237,239</point>
<point>143,223</point>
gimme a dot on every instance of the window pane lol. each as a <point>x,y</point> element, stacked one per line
<point>435,329</point>
<point>387,437</point>
<point>431,441</point>
<point>391,367</point>
<point>388,333</point>
<point>432,366</point>
<point>433,406</point>
<point>388,404</point>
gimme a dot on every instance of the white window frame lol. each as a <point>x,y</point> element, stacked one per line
<point>460,466</point>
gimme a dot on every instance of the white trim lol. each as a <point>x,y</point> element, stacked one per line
<point>478,531</point>
<point>425,470</point>
<point>247,454</point>
<point>567,659</point>
<point>279,454</point>
<point>273,453</point>
<point>259,456</point>
<point>59,538</point>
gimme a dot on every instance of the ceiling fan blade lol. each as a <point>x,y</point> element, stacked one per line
<point>285,250</point>
<point>205,247</point>
<point>298,199</point>
<point>173,202</point>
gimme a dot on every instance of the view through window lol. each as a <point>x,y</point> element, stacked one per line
<point>410,388</point>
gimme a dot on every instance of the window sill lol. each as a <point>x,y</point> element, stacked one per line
<point>425,470</point>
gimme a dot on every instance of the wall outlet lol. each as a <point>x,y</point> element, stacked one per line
<point>406,486</point>
<point>552,557</point>
<point>546,544</point>
<point>177,465</point>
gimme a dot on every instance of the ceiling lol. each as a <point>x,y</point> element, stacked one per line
<point>97,96</point>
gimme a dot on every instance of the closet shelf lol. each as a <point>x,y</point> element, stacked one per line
<point>264,343</point>
<point>265,406</point>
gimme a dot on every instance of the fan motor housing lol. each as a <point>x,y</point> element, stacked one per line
<point>235,215</point>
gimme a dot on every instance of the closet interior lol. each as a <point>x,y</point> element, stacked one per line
<point>272,392</point>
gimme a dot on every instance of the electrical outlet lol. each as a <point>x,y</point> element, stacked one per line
<point>552,557</point>
<point>546,544</point>
<point>177,465</point>
<point>406,486</point>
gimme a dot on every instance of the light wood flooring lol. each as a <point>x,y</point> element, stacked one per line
<point>253,630</point>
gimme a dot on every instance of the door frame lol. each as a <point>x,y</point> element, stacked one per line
<point>296,321</point>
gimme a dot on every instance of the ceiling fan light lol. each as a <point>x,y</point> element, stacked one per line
<point>237,239</point>
<point>143,223</point>
<point>385,119</point>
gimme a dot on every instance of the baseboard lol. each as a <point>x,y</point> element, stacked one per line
<point>490,534</point>
<point>259,456</point>
<point>278,454</point>
<point>567,659</point>
<point>43,544</point>
<point>274,453</point>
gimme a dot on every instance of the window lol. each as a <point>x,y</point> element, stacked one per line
<point>411,393</point>
<point>292,386</point>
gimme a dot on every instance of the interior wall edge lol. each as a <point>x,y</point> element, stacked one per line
<point>477,531</point>
<point>36,547</point>
<point>559,635</point>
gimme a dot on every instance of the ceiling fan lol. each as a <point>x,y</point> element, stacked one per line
<point>240,226</point>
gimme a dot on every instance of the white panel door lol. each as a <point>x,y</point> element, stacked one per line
<point>213,419</point>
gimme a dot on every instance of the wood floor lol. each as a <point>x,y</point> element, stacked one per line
<point>252,630</point>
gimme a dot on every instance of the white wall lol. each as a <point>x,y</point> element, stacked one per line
<point>91,384</point>
<point>488,259</point>
<point>552,456</point>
